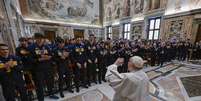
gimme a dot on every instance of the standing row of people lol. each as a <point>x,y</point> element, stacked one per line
<point>39,64</point>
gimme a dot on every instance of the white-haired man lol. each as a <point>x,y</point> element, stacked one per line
<point>132,86</point>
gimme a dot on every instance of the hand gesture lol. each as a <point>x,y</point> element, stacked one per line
<point>119,61</point>
<point>79,65</point>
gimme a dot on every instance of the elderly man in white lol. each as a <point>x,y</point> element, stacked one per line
<point>132,86</point>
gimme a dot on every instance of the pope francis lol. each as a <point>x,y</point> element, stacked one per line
<point>132,86</point>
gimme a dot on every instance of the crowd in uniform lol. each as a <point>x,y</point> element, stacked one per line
<point>64,64</point>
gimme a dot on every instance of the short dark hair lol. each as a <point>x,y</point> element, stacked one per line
<point>2,44</point>
<point>91,35</point>
<point>38,35</point>
<point>22,39</point>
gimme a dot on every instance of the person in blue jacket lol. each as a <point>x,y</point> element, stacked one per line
<point>43,71</point>
<point>11,75</point>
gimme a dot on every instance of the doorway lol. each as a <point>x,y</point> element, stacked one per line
<point>198,36</point>
<point>50,35</point>
<point>78,33</point>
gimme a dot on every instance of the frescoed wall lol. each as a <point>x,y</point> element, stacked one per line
<point>118,9</point>
<point>136,31</point>
<point>66,32</point>
<point>179,6</point>
<point>118,12</point>
<point>179,28</point>
<point>116,32</point>
<point>74,11</point>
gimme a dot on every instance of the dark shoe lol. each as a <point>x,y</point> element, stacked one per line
<point>54,97</point>
<point>71,91</point>
<point>61,95</point>
<point>85,86</point>
<point>89,84</point>
<point>104,80</point>
<point>95,82</point>
<point>100,82</point>
<point>77,90</point>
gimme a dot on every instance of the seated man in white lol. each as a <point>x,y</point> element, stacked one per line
<point>132,86</point>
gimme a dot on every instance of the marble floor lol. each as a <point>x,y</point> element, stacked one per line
<point>173,82</point>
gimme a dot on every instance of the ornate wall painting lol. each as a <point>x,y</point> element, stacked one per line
<point>178,5</point>
<point>82,11</point>
<point>66,32</point>
<point>176,28</point>
<point>137,6</point>
<point>1,11</point>
<point>115,32</point>
<point>195,4</point>
<point>136,32</point>
<point>113,9</point>
<point>96,32</point>
<point>107,10</point>
<point>126,8</point>
<point>93,31</point>
<point>117,9</point>
<point>109,14</point>
<point>153,4</point>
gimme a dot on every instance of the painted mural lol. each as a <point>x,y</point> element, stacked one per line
<point>138,6</point>
<point>115,32</point>
<point>126,8</point>
<point>1,11</point>
<point>136,31</point>
<point>178,6</point>
<point>118,9</point>
<point>6,34</point>
<point>94,31</point>
<point>78,11</point>
<point>176,29</point>
<point>195,3</point>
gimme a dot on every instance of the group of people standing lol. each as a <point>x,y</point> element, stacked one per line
<point>51,67</point>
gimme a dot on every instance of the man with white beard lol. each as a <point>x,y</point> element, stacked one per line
<point>132,86</point>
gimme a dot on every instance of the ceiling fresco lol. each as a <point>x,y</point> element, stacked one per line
<point>74,11</point>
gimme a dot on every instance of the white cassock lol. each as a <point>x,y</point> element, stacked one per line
<point>133,86</point>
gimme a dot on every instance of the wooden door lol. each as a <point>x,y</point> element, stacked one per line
<point>78,33</point>
<point>51,35</point>
<point>198,36</point>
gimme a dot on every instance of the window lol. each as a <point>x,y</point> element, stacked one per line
<point>154,28</point>
<point>109,32</point>
<point>126,31</point>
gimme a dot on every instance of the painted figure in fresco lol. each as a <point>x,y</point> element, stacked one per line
<point>137,31</point>
<point>118,11</point>
<point>80,11</point>
<point>153,4</point>
<point>127,8</point>
<point>138,6</point>
<point>195,3</point>
<point>176,28</point>
<point>76,11</point>
<point>90,3</point>
<point>178,5</point>
<point>109,14</point>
